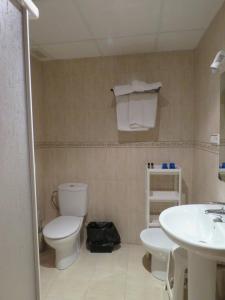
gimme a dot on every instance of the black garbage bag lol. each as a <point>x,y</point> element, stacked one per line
<point>102,237</point>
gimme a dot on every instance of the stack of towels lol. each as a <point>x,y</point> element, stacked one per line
<point>136,105</point>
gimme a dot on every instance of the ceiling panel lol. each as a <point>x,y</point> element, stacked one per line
<point>87,28</point>
<point>71,50</point>
<point>180,15</point>
<point>128,45</point>
<point>58,23</point>
<point>178,40</point>
<point>118,18</point>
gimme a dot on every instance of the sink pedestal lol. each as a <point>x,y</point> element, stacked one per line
<point>201,277</point>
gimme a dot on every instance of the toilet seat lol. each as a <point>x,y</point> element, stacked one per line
<point>62,227</point>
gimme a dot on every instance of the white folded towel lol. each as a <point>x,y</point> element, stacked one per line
<point>122,110</point>
<point>142,110</point>
<point>136,108</point>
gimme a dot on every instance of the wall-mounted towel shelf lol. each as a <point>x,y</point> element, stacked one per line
<point>158,197</point>
<point>152,91</point>
<point>136,87</point>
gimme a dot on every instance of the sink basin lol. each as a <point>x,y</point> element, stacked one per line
<point>191,228</point>
<point>203,238</point>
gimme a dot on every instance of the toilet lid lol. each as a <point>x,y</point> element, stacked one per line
<point>62,227</point>
<point>72,186</point>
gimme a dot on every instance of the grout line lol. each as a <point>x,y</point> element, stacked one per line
<point>34,45</point>
<point>162,4</point>
<point>160,144</point>
<point>88,27</point>
<point>204,146</point>
<point>126,279</point>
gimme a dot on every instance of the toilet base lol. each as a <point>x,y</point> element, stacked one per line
<point>66,256</point>
<point>158,268</point>
<point>66,250</point>
<point>63,261</point>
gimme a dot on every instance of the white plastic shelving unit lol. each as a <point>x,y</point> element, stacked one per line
<point>152,196</point>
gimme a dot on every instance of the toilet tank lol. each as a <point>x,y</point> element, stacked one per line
<point>72,199</point>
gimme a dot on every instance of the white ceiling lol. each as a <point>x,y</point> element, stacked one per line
<point>87,28</point>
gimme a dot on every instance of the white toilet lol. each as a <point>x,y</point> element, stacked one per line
<point>159,245</point>
<point>63,233</point>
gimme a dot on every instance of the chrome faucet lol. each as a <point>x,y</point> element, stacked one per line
<point>217,211</point>
<point>218,219</point>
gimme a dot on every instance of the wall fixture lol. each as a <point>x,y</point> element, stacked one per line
<point>218,60</point>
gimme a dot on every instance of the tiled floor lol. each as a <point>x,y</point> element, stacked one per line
<point>118,276</point>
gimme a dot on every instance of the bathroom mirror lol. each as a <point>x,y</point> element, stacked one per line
<point>222,129</point>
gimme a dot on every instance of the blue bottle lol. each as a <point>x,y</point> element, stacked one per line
<point>164,166</point>
<point>172,165</point>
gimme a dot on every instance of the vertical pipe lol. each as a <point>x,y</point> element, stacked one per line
<point>147,194</point>
<point>180,187</point>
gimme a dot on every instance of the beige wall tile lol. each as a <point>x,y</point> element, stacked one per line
<point>37,89</point>
<point>206,183</point>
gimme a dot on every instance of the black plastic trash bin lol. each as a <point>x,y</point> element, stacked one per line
<point>102,237</point>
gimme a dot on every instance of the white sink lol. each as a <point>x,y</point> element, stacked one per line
<point>191,228</point>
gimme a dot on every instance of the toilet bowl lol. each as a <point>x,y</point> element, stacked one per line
<point>159,246</point>
<point>63,233</point>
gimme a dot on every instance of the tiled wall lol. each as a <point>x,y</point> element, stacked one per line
<point>79,107</point>
<point>78,138</point>
<point>115,177</point>
<point>206,186</point>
